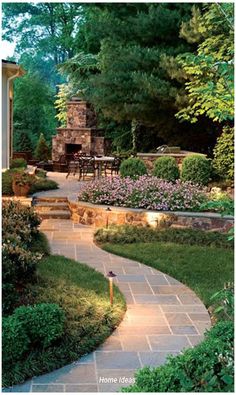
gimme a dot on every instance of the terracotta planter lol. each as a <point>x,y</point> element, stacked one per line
<point>20,190</point>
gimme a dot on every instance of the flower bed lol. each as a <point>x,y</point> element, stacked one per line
<point>146,192</point>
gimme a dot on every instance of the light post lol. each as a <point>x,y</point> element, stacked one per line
<point>107,220</point>
<point>111,275</point>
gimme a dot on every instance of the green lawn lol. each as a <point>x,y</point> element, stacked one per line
<point>203,269</point>
<point>83,293</point>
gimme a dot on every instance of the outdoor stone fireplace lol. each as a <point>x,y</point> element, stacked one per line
<point>80,133</point>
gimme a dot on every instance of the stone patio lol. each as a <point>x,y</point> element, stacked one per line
<point>163,317</point>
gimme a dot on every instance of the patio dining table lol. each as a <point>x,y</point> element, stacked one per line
<point>99,160</point>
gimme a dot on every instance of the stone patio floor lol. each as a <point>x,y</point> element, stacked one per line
<point>163,317</point>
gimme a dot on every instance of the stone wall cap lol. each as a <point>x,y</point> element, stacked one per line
<point>139,210</point>
<point>81,129</point>
<point>157,155</point>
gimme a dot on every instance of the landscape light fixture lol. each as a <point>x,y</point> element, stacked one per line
<point>111,275</point>
<point>107,220</point>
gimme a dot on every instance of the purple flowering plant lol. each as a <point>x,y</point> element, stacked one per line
<point>146,192</point>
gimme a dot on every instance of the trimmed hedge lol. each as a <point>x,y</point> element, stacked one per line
<point>166,168</point>
<point>196,168</point>
<point>43,323</point>
<point>127,234</point>
<point>208,367</point>
<point>133,167</point>
<point>18,163</point>
<point>29,326</point>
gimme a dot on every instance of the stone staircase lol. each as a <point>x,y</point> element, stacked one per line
<point>52,207</point>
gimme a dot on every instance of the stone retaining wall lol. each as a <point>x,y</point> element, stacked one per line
<point>98,216</point>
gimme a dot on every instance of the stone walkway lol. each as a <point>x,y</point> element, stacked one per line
<point>163,317</point>
<point>68,187</point>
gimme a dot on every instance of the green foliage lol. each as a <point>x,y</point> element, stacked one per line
<point>22,178</point>
<point>40,244</point>
<point>38,115</point>
<point>223,162</point>
<point>210,71</point>
<point>203,269</point>
<point>42,152</point>
<point>18,222</point>
<point>196,168</point>
<point>18,162</point>
<point>222,206</point>
<point>128,234</point>
<point>42,184</point>
<point>43,323</point>
<point>38,183</point>
<point>223,303</point>
<point>7,178</point>
<point>18,265</point>
<point>83,294</point>
<point>133,167</point>
<point>22,141</point>
<point>15,341</point>
<point>208,367</point>
<point>62,98</point>
<point>20,228</point>
<point>28,327</point>
<point>166,168</point>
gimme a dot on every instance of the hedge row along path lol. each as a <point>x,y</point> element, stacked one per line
<point>163,317</point>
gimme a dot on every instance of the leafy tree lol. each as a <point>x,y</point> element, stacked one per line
<point>223,161</point>
<point>22,141</point>
<point>42,150</point>
<point>122,75</point>
<point>48,28</point>
<point>60,103</point>
<point>34,107</point>
<point>210,71</point>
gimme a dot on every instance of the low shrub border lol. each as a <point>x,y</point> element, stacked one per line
<point>208,367</point>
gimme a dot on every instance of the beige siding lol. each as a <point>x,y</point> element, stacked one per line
<point>5,98</point>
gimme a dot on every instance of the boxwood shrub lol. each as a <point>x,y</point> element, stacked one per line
<point>208,367</point>
<point>166,168</point>
<point>43,323</point>
<point>196,168</point>
<point>127,234</point>
<point>28,327</point>
<point>133,167</point>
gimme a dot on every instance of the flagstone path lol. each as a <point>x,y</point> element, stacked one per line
<point>163,317</point>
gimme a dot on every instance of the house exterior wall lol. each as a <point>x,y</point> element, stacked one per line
<point>5,99</point>
<point>10,71</point>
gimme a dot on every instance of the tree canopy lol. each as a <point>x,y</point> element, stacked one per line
<point>150,70</point>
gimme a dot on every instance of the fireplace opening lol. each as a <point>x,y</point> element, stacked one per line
<point>73,148</point>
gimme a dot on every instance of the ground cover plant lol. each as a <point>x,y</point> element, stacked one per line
<point>54,309</point>
<point>208,367</point>
<point>147,192</point>
<point>82,293</point>
<point>204,268</point>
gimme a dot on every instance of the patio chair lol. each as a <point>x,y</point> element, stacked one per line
<point>88,166</point>
<point>61,165</point>
<point>112,166</point>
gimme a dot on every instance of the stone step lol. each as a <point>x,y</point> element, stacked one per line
<point>54,214</point>
<point>44,206</point>
<point>56,199</point>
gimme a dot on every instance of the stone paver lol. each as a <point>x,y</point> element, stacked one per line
<point>163,317</point>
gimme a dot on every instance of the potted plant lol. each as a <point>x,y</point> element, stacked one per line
<point>21,184</point>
